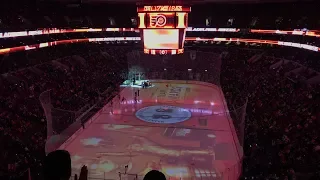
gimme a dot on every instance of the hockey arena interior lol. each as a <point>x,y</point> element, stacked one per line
<point>160,90</point>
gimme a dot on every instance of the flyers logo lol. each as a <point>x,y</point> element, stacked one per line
<point>158,20</point>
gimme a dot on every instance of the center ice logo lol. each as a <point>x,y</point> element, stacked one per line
<point>163,114</point>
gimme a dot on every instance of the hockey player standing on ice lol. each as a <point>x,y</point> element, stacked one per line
<point>135,97</point>
<point>135,100</point>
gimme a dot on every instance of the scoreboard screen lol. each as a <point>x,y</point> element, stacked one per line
<point>161,38</point>
<point>163,28</point>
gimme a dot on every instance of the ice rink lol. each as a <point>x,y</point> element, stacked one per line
<point>180,128</point>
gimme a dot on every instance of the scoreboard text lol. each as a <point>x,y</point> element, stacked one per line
<point>164,9</point>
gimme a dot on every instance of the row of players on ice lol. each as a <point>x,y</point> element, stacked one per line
<point>144,84</point>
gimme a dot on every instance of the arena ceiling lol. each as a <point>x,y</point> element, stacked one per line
<point>177,1</point>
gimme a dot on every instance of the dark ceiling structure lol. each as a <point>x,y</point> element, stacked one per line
<point>177,1</point>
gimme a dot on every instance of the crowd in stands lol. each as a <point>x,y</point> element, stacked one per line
<point>74,82</point>
<point>282,122</point>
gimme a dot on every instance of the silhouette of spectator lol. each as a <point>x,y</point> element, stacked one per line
<point>57,166</point>
<point>154,175</point>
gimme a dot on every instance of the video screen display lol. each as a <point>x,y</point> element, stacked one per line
<point>161,38</point>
